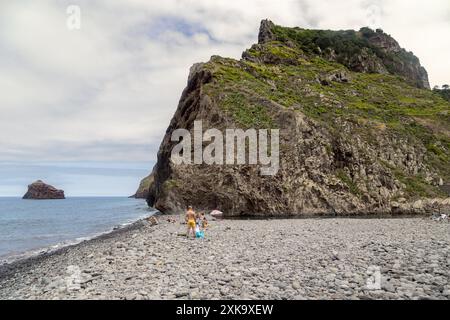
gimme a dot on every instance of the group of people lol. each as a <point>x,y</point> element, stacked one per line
<point>196,223</point>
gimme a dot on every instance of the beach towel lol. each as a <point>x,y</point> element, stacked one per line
<point>200,235</point>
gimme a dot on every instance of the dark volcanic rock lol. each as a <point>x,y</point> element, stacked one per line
<point>347,104</point>
<point>143,189</point>
<point>265,31</point>
<point>39,190</point>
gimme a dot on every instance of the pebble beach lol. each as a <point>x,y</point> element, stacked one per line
<point>334,258</point>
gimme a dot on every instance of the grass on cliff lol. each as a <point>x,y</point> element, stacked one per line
<point>348,181</point>
<point>170,184</point>
<point>384,98</point>
<point>444,93</point>
<point>248,113</point>
<point>377,103</point>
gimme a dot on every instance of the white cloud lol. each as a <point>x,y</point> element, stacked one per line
<point>76,178</point>
<point>108,91</point>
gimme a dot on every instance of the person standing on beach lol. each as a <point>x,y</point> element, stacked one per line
<point>204,222</point>
<point>190,220</point>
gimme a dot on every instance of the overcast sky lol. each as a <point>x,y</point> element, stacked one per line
<point>86,109</point>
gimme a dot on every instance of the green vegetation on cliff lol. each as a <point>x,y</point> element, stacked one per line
<point>144,187</point>
<point>360,132</point>
<point>298,79</point>
<point>444,92</point>
<point>346,46</point>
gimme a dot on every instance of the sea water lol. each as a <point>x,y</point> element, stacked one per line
<point>30,225</point>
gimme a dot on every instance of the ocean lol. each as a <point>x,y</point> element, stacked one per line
<point>28,226</point>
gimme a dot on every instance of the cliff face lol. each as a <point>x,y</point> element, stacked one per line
<point>356,136</point>
<point>40,191</point>
<point>143,189</point>
<point>365,50</point>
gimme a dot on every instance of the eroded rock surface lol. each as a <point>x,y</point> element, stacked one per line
<point>144,187</point>
<point>39,190</point>
<point>354,140</point>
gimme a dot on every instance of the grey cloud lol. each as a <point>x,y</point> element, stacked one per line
<point>109,90</point>
<point>98,150</point>
<point>77,179</point>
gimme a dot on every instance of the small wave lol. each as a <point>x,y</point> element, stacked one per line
<point>13,257</point>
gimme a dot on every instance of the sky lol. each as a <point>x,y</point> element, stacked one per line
<point>86,109</point>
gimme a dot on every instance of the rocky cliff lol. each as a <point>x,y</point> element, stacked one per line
<point>360,133</point>
<point>39,190</point>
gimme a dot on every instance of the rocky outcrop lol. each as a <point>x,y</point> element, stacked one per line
<point>143,189</point>
<point>365,50</point>
<point>398,60</point>
<point>351,141</point>
<point>38,190</point>
<point>265,31</point>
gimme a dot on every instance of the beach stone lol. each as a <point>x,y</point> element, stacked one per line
<point>180,294</point>
<point>446,293</point>
<point>389,287</point>
<point>296,285</point>
<point>257,261</point>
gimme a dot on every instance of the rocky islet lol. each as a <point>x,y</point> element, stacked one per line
<point>39,190</point>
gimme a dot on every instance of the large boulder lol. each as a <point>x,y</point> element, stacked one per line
<point>39,190</point>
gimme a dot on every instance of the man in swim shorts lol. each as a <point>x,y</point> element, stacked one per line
<point>190,220</point>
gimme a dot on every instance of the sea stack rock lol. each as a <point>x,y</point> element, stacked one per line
<point>38,190</point>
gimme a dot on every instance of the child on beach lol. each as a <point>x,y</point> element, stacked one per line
<point>198,219</point>
<point>204,223</point>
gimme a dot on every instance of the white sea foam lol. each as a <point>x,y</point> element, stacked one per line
<point>125,209</point>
